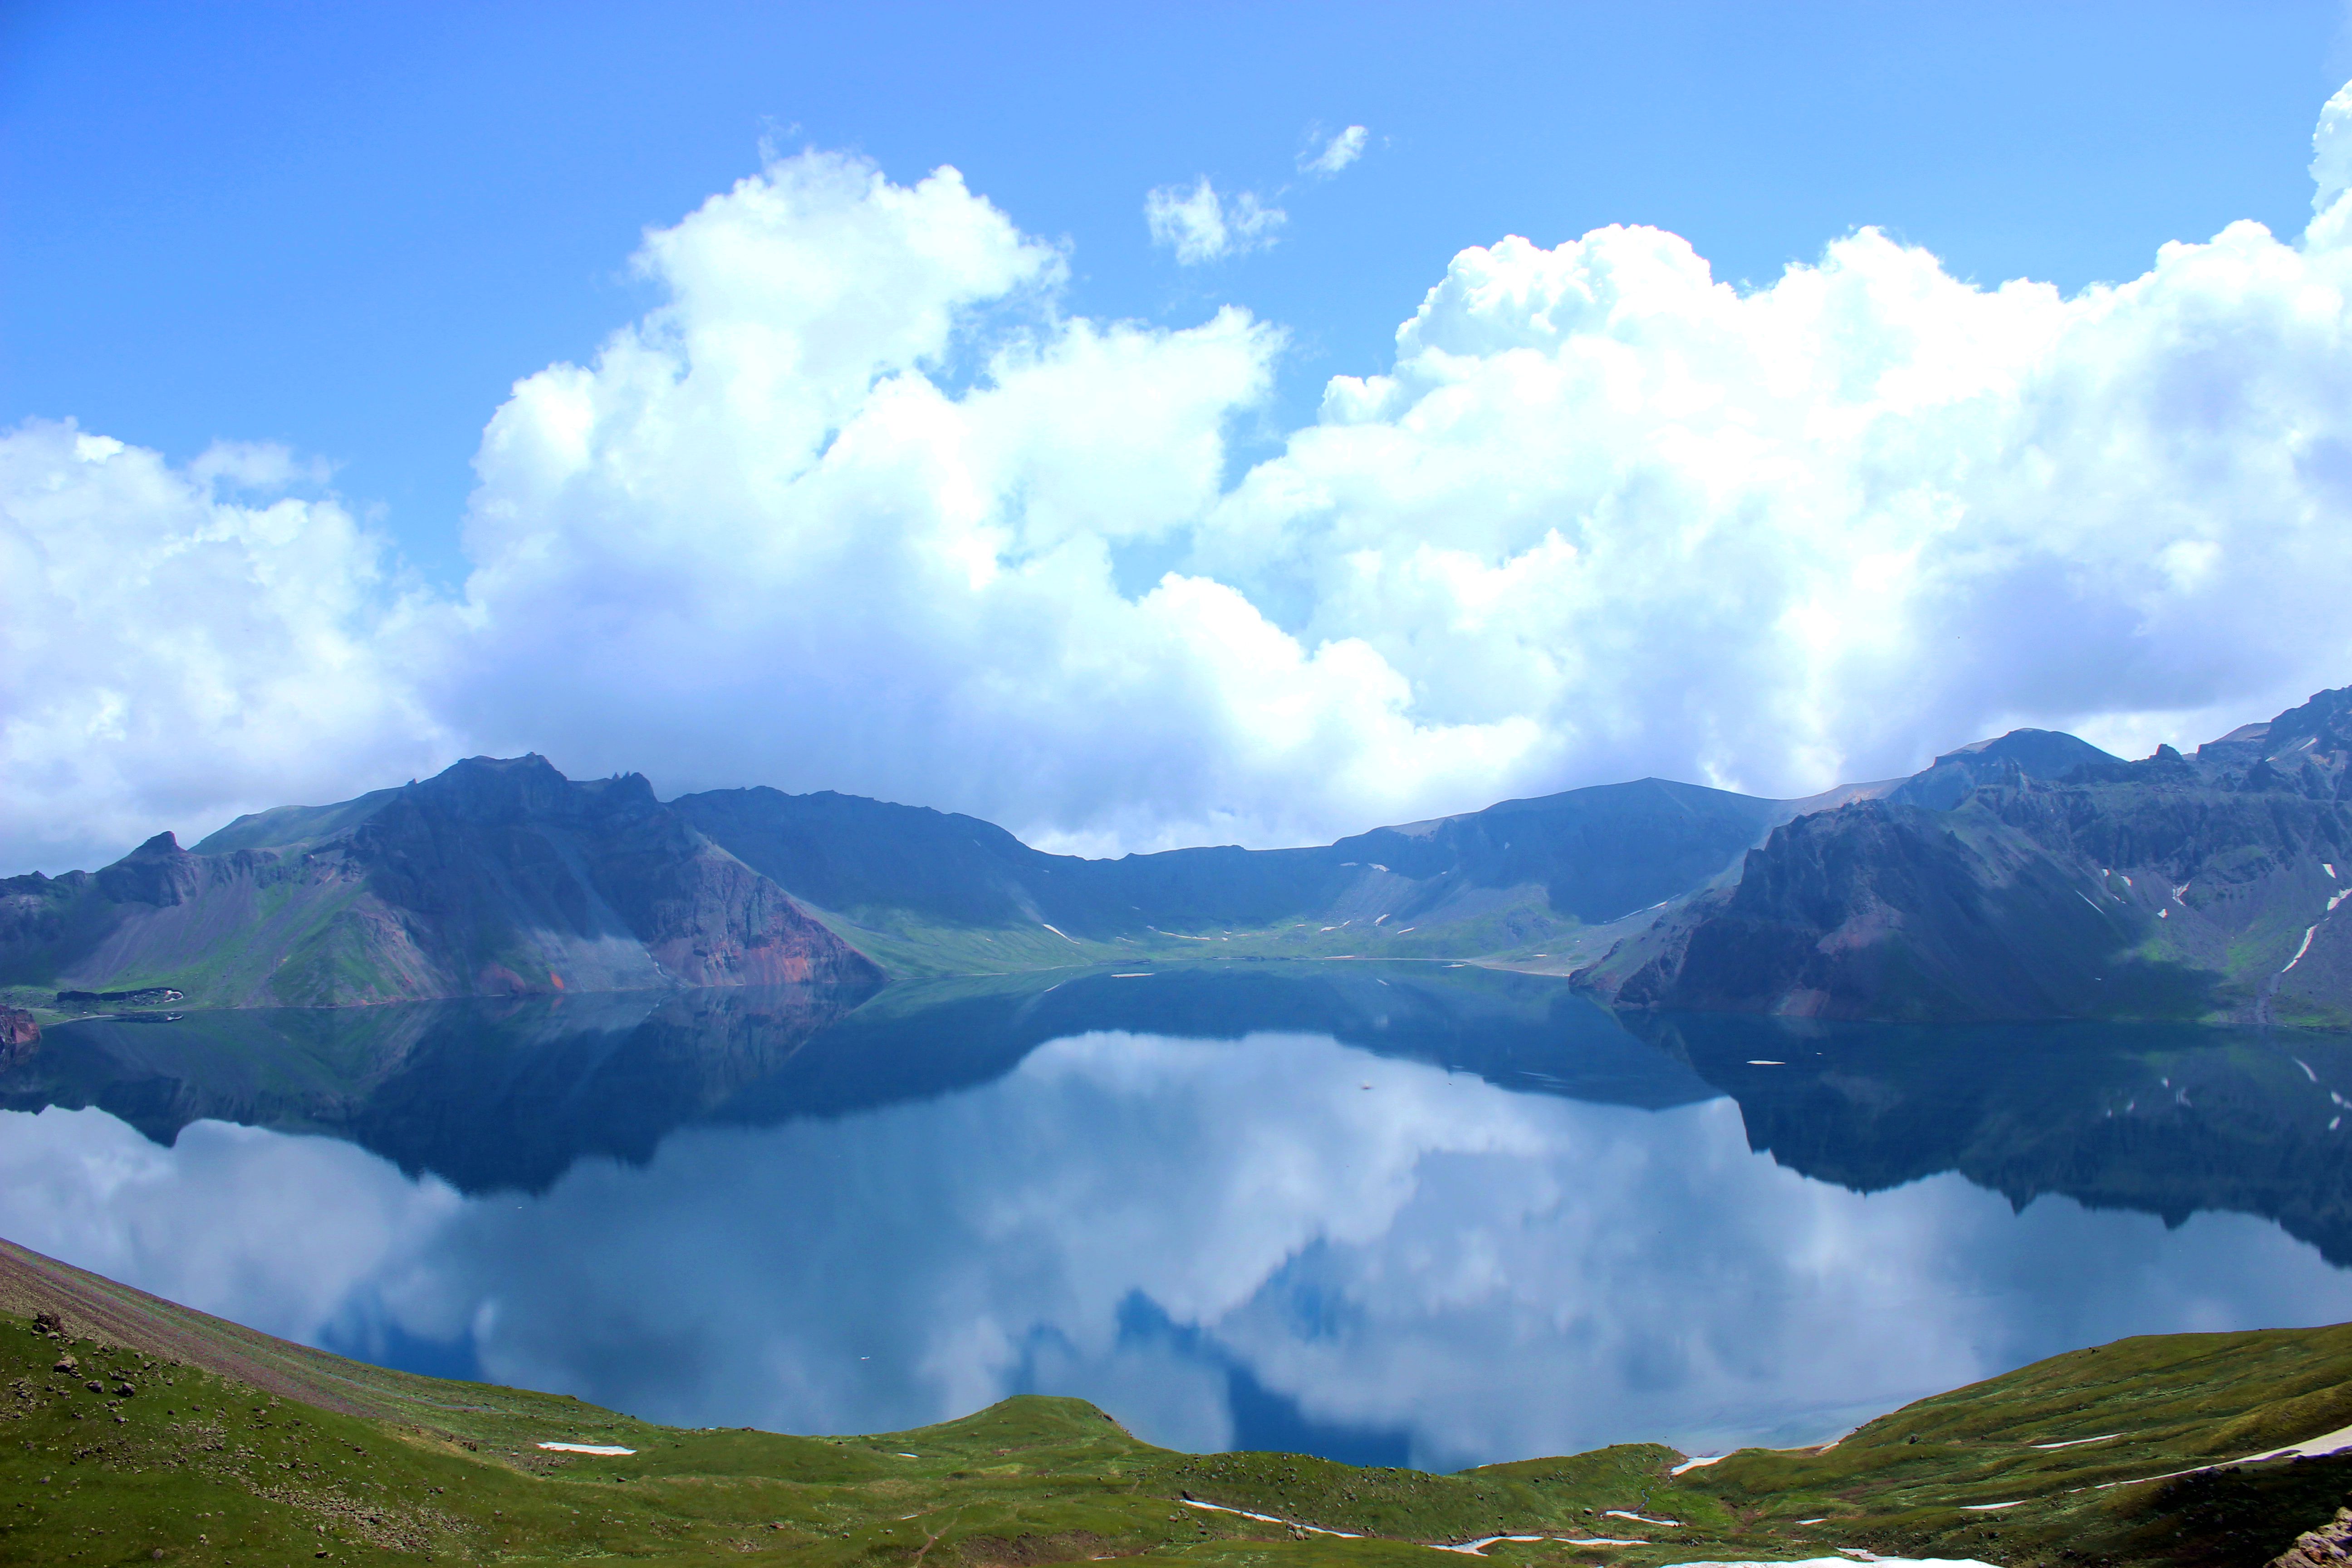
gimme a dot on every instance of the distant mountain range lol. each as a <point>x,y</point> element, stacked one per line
<point>2032,876</point>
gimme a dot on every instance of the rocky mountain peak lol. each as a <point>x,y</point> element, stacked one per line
<point>497,789</point>
<point>158,872</point>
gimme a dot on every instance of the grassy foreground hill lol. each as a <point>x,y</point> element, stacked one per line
<point>140,1431</point>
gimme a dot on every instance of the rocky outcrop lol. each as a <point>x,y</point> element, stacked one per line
<point>19,1032</point>
<point>1983,889</point>
<point>495,877</point>
<point>2329,1546</point>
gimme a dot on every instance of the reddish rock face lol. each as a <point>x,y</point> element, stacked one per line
<point>19,1035</point>
<point>497,878</point>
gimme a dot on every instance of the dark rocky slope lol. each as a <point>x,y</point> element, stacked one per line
<point>1986,888</point>
<point>494,878</point>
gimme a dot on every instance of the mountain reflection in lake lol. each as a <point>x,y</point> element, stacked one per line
<point>1388,1213</point>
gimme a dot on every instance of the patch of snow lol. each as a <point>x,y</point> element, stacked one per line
<point>1066,936</point>
<point>605,1449</point>
<point>2073,1442</point>
<point>2326,1443</point>
<point>1312,1529</point>
<point>1988,1507</point>
<point>1640,1518</point>
<point>1134,974</point>
<point>1698,1463</point>
<point>2301,951</point>
<point>1764,1064</point>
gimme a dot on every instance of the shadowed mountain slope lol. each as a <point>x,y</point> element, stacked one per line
<point>927,890</point>
<point>494,878</point>
<point>2202,887</point>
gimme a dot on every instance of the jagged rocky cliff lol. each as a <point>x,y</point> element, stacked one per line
<point>2037,877</point>
<point>494,878</point>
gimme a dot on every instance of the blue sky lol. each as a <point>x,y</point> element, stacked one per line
<point>384,385</point>
<point>350,229</point>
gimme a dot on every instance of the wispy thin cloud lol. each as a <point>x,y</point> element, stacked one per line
<point>1200,225</point>
<point>1336,153</point>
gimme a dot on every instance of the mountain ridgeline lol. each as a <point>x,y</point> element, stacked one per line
<point>2036,877</point>
<point>492,879</point>
<point>501,878</point>
<point>2033,876</point>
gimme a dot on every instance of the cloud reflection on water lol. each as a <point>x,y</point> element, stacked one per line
<point>1142,1220</point>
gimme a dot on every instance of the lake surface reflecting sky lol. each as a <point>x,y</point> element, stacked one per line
<point>1391,1214</point>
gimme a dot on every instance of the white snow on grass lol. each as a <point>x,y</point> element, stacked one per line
<point>1988,1507</point>
<point>1640,1518</point>
<point>2300,951</point>
<point>2072,1442</point>
<point>2326,1443</point>
<point>1697,1463</point>
<point>605,1449</point>
<point>1269,1519</point>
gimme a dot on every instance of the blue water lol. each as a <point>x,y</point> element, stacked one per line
<point>1391,1214</point>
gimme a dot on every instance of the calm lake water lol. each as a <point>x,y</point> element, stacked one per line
<point>1391,1214</point>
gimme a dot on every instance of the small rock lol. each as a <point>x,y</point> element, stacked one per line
<point>66,1364</point>
<point>124,1390</point>
<point>95,1386</point>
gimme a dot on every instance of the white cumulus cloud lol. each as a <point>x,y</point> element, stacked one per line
<point>1336,154</point>
<point>860,506</point>
<point>179,639</point>
<point>1200,225</point>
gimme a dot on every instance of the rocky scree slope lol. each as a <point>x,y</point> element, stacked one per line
<point>2035,877</point>
<point>493,878</point>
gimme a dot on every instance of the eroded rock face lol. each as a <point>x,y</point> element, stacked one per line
<point>2326,1547</point>
<point>19,1035</point>
<point>498,877</point>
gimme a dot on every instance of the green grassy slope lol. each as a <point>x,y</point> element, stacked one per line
<point>138,1431</point>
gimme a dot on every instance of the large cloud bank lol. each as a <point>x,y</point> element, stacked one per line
<point>860,507</point>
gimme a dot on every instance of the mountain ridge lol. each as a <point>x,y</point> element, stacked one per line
<point>2027,875</point>
<point>496,876</point>
<point>2172,887</point>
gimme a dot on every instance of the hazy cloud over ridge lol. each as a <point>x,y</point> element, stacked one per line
<point>849,511</point>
